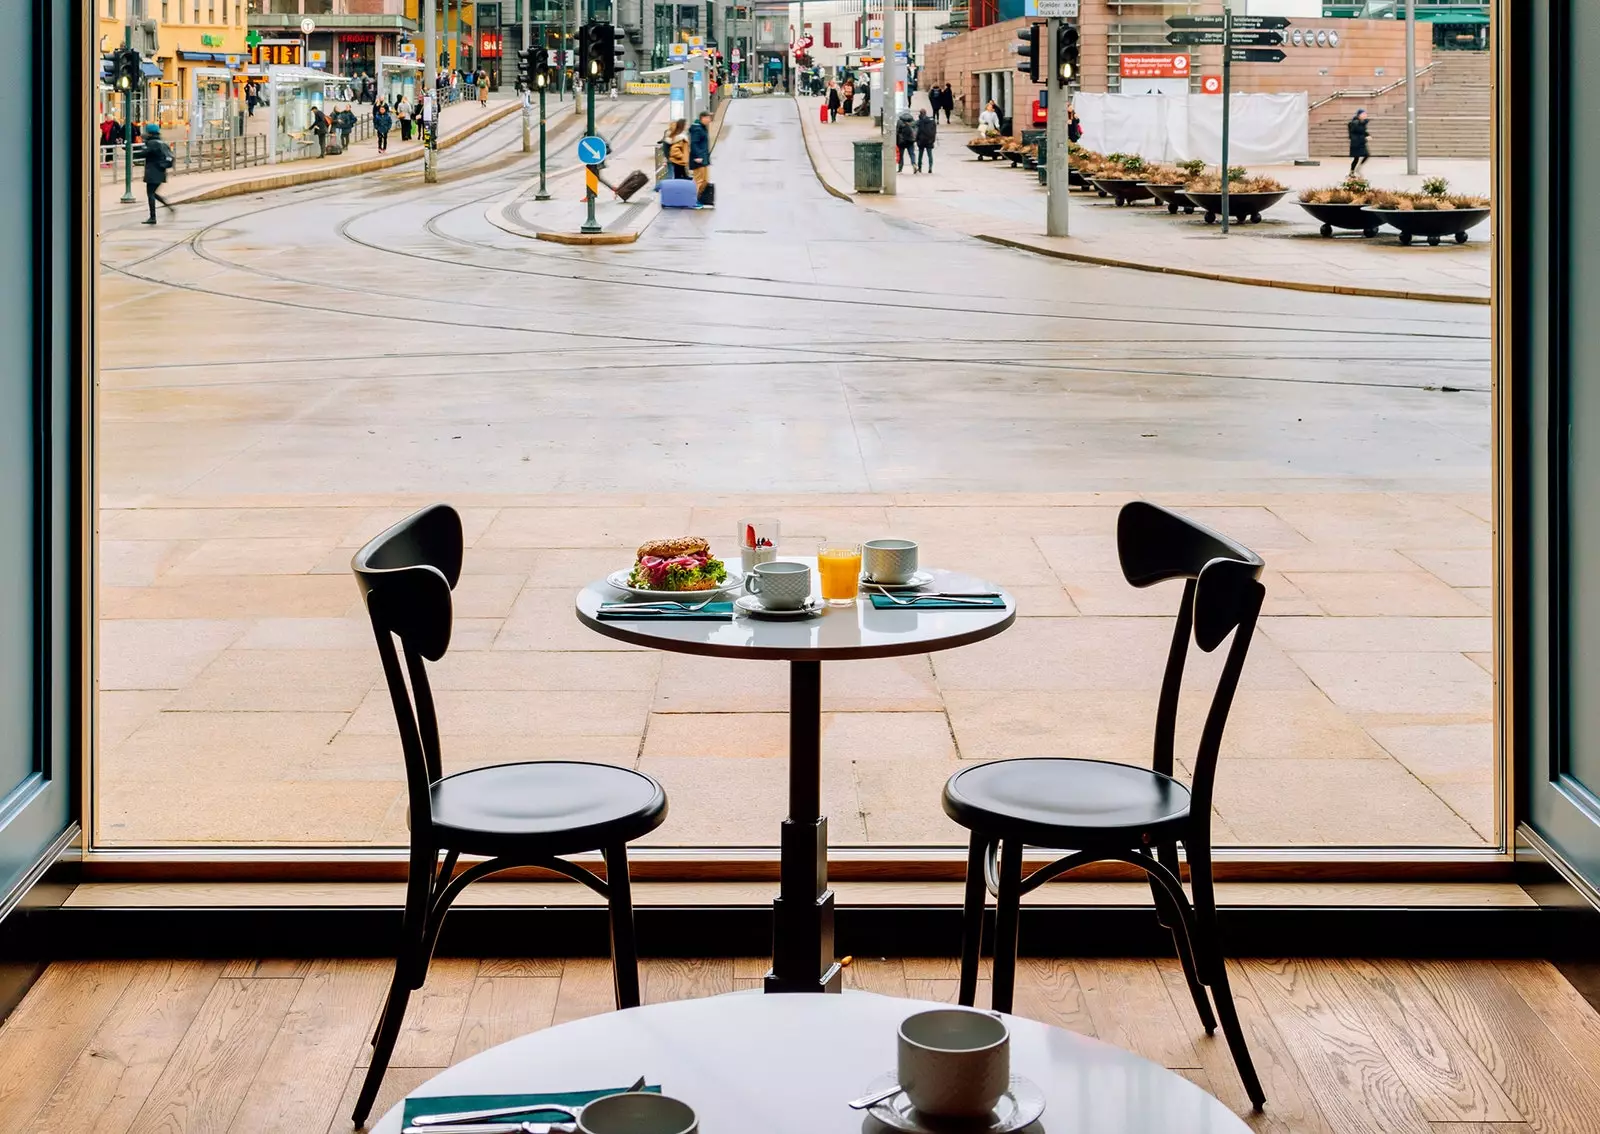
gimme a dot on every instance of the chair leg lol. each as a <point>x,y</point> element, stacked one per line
<point>972,920</point>
<point>1008,907</point>
<point>624,947</point>
<point>394,1013</point>
<point>1214,969</point>
<point>1171,915</point>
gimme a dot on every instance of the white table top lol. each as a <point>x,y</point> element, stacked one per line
<point>837,634</point>
<point>788,1063</point>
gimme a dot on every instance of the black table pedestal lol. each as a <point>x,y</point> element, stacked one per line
<point>802,914</point>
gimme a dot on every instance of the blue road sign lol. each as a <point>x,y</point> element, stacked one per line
<point>591,150</point>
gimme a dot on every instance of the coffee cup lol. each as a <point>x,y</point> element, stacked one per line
<point>637,1112</point>
<point>954,1063</point>
<point>780,585</point>
<point>888,560</point>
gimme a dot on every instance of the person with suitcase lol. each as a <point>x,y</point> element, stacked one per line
<point>833,103</point>
<point>700,160</point>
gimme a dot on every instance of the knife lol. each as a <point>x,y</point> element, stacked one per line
<point>439,1121</point>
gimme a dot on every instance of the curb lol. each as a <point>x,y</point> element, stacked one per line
<point>587,238</point>
<point>353,169</point>
<point>1223,277</point>
<point>811,154</point>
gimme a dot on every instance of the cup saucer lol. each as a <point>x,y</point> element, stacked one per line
<point>751,605</point>
<point>1017,1108</point>
<point>918,579</point>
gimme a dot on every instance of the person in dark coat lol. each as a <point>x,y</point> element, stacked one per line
<point>345,120</point>
<point>319,127</point>
<point>382,123</point>
<point>948,99</point>
<point>1358,140</point>
<point>157,160</point>
<point>905,138</point>
<point>927,130</point>
<point>833,103</point>
<point>700,154</point>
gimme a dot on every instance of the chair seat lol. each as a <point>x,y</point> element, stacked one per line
<point>545,807</point>
<point>1066,804</point>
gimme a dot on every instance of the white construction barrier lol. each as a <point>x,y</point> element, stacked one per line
<point>1267,129</point>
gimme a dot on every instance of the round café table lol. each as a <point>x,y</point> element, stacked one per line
<point>802,924</point>
<point>750,1063</point>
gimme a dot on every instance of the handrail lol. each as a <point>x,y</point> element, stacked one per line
<point>1400,82</point>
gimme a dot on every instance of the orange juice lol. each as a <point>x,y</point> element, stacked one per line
<point>839,565</point>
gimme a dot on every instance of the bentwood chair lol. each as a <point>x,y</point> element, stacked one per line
<point>507,815</point>
<point>1103,811</point>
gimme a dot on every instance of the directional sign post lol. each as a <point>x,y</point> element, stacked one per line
<point>1256,55</point>
<point>591,150</point>
<point>1214,38</point>
<point>1240,23</point>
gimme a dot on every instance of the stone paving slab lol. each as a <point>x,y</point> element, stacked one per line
<point>1366,686</point>
<point>1005,205</point>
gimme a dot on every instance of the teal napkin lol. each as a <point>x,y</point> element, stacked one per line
<point>884,602</point>
<point>715,612</point>
<point>419,1107</point>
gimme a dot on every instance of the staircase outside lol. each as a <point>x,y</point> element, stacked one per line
<point>1453,113</point>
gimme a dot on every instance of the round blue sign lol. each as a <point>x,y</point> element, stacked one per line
<point>591,150</point>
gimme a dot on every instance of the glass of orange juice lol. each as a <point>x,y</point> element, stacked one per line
<point>839,564</point>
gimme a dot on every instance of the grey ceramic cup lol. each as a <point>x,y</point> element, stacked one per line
<point>780,585</point>
<point>888,560</point>
<point>637,1113</point>
<point>954,1063</point>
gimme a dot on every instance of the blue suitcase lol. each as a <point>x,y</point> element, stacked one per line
<point>677,193</point>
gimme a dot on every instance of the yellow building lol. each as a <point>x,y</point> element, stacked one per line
<point>190,35</point>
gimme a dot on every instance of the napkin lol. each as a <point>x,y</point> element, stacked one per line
<point>884,602</point>
<point>422,1106</point>
<point>714,612</point>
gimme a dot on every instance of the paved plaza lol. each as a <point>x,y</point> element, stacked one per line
<point>284,374</point>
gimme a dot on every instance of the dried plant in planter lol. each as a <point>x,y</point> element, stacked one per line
<point>1164,175</point>
<point>1211,183</point>
<point>1192,168</point>
<point>1122,167</point>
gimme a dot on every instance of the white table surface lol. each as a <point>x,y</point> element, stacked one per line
<point>786,1064</point>
<point>838,634</point>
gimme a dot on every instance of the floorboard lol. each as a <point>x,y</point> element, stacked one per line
<point>264,1044</point>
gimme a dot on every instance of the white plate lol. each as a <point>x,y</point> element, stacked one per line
<point>619,579</point>
<point>920,579</point>
<point>1017,1108</point>
<point>751,605</point>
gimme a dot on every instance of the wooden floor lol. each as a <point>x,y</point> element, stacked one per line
<point>1435,1047</point>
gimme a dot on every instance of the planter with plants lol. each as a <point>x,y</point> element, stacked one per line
<point>1166,183</point>
<point>1017,153</point>
<point>1248,197</point>
<point>1433,214</point>
<point>1345,206</point>
<point>1122,176</point>
<point>985,146</point>
<point>1080,162</point>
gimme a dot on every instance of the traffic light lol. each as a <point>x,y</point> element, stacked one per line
<point>1030,62</point>
<point>1067,53</point>
<point>618,52</point>
<point>525,69</point>
<point>539,67</point>
<point>127,68</point>
<point>597,52</point>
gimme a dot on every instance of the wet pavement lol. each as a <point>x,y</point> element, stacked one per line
<point>285,374</point>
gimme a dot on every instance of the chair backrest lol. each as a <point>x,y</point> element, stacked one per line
<point>406,574</point>
<point>1222,595</point>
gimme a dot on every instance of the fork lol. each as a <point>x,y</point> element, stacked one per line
<point>914,599</point>
<point>660,604</point>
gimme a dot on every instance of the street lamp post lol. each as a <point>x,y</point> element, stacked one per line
<point>430,92</point>
<point>127,124</point>
<point>1411,87</point>
<point>590,224</point>
<point>527,101</point>
<point>886,75</point>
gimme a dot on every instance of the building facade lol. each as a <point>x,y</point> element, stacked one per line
<point>181,39</point>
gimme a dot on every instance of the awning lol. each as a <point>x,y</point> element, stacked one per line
<point>151,71</point>
<point>1452,17</point>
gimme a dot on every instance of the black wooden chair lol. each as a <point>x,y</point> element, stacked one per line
<point>1105,811</point>
<point>510,815</point>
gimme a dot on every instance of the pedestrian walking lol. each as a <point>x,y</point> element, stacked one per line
<point>1074,126</point>
<point>905,138</point>
<point>382,123</point>
<point>402,113</point>
<point>833,103</point>
<point>252,99</point>
<point>927,130</point>
<point>320,126</point>
<point>948,101</point>
<point>700,158</point>
<point>345,120</point>
<point>158,159</point>
<point>676,146</point>
<point>1358,139</point>
<point>989,120</point>
<point>483,88</point>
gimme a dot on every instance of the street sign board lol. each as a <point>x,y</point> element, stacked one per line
<point>1213,37</point>
<point>1145,66</point>
<point>1258,55</point>
<point>307,26</point>
<point>1060,9</point>
<point>1210,84</point>
<point>1240,23</point>
<point>591,150</point>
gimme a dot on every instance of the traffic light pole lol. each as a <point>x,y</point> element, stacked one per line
<point>1057,179</point>
<point>543,194</point>
<point>886,73</point>
<point>590,225</point>
<point>1227,103</point>
<point>430,92</point>
<point>127,126</point>
<point>527,100</point>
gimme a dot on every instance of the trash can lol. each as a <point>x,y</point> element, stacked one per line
<point>869,166</point>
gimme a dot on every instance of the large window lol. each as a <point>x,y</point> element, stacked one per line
<point>285,375</point>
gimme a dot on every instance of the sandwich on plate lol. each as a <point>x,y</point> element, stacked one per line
<point>681,564</point>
